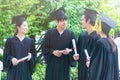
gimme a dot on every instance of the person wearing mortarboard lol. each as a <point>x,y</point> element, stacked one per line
<point>16,48</point>
<point>55,42</point>
<point>104,59</point>
<point>86,41</point>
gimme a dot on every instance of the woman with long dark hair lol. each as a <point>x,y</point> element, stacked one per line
<point>104,59</point>
<point>16,48</point>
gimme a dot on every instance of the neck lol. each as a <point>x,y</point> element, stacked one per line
<point>89,29</point>
<point>20,36</point>
<point>60,29</point>
<point>103,35</point>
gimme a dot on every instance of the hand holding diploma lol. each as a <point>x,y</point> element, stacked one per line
<point>76,57</point>
<point>57,53</point>
<point>25,58</point>
<point>66,51</point>
<point>14,61</point>
<point>88,63</point>
<point>74,46</point>
<point>87,58</point>
<point>29,56</point>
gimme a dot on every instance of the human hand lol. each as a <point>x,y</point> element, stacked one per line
<point>29,56</point>
<point>57,53</point>
<point>14,61</point>
<point>66,51</point>
<point>88,62</point>
<point>76,57</point>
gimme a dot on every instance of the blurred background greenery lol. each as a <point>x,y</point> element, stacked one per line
<point>39,21</point>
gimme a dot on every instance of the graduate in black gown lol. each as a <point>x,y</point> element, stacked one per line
<point>55,41</point>
<point>104,59</point>
<point>86,41</point>
<point>17,47</point>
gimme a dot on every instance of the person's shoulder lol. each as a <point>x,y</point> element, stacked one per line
<point>103,41</point>
<point>11,38</point>
<point>85,33</point>
<point>28,38</point>
<point>95,35</point>
<point>50,30</point>
<point>69,31</point>
<point>104,44</point>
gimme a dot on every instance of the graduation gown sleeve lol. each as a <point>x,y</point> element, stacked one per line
<point>32,60</point>
<point>6,56</point>
<point>46,50</point>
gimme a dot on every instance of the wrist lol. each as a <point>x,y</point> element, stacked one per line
<point>88,60</point>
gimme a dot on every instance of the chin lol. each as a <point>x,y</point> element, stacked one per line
<point>24,32</point>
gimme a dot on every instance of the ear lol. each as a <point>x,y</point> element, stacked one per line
<point>17,27</point>
<point>57,21</point>
<point>88,21</point>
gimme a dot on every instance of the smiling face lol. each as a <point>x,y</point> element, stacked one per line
<point>23,28</point>
<point>62,23</point>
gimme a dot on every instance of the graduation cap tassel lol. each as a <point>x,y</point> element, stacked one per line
<point>94,27</point>
<point>100,26</point>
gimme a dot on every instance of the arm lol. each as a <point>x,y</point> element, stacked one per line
<point>32,60</point>
<point>7,57</point>
<point>46,48</point>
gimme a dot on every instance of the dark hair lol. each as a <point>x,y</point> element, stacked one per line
<point>61,19</point>
<point>92,22</point>
<point>19,23</point>
<point>112,43</point>
<point>106,29</point>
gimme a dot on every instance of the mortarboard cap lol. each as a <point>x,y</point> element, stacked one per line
<point>107,23</point>
<point>18,19</point>
<point>59,14</point>
<point>92,14</point>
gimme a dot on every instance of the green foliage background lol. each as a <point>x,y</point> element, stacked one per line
<point>38,14</point>
<point>39,21</point>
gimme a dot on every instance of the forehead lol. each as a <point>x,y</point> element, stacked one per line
<point>62,20</point>
<point>24,23</point>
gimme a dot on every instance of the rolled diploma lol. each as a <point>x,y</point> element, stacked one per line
<point>86,53</point>
<point>22,59</point>
<point>74,46</point>
<point>69,50</point>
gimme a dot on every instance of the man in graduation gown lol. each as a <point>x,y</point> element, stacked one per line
<point>104,59</point>
<point>56,40</point>
<point>86,41</point>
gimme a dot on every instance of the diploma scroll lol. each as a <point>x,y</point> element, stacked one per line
<point>23,59</point>
<point>66,50</point>
<point>86,53</point>
<point>74,46</point>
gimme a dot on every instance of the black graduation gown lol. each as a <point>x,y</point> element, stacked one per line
<point>18,49</point>
<point>58,68</point>
<point>85,41</point>
<point>104,63</point>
